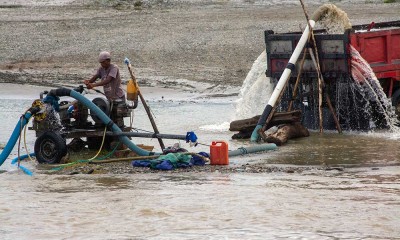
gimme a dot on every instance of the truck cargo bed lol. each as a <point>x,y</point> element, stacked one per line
<point>377,43</point>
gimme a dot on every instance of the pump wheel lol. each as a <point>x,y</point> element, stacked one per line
<point>104,105</point>
<point>50,147</point>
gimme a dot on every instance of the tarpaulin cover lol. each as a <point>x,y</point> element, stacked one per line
<point>172,161</point>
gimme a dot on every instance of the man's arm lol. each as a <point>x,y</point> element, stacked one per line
<point>102,83</point>
<point>91,80</point>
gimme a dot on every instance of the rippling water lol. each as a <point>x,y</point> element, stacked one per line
<point>360,202</point>
<point>351,205</point>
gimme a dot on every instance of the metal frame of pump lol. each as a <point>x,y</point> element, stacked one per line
<point>51,146</point>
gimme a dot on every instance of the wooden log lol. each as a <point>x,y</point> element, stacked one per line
<point>277,119</point>
<point>246,126</point>
<point>286,132</point>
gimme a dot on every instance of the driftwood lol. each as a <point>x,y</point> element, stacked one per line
<point>246,126</point>
<point>286,132</point>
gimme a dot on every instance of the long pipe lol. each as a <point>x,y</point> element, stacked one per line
<point>147,135</point>
<point>16,133</point>
<point>281,83</point>
<point>103,117</point>
<point>252,149</point>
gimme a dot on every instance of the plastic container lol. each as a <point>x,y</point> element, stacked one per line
<point>131,91</point>
<point>219,153</point>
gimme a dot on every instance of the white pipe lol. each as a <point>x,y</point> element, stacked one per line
<point>282,82</point>
<point>293,59</point>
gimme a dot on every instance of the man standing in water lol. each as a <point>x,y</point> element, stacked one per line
<point>110,79</point>
<point>111,82</point>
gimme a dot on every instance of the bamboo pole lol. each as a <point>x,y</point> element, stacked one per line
<point>327,98</point>
<point>328,101</point>
<point>296,85</point>
<point>321,83</point>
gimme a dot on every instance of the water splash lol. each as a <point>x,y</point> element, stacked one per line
<point>52,120</point>
<point>255,91</point>
<point>223,127</point>
<point>362,103</point>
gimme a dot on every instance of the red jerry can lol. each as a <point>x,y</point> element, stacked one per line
<point>219,153</point>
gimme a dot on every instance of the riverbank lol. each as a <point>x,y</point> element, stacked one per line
<point>169,44</point>
<point>125,167</point>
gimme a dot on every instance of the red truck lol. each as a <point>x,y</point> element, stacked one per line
<point>377,43</point>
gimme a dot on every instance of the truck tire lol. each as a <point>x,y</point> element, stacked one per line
<point>50,148</point>
<point>396,102</point>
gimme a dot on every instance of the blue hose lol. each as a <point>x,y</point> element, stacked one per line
<point>22,157</point>
<point>254,135</point>
<point>107,121</point>
<point>24,169</point>
<point>14,137</point>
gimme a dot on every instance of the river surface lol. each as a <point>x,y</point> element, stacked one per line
<point>360,202</point>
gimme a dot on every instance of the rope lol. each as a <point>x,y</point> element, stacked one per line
<point>61,166</point>
<point>198,155</point>
<point>138,129</point>
<point>25,145</point>
<point>104,136</point>
<point>58,167</point>
<point>101,146</point>
<point>110,153</point>
<point>19,138</point>
<point>24,169</point>
<point>243,150</point>
<point>203,144</point>
<point>131,119</point>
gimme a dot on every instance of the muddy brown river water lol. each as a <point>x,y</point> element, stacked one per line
<point>359,200</point>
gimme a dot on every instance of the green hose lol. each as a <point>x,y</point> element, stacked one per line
<point>252,149</point>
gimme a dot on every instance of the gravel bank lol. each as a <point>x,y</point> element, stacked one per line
<point>126,168</point>
<point>211,41</point>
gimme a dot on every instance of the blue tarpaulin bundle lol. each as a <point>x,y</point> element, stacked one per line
<point>172,161</point>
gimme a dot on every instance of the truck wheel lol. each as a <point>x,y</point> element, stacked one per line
<point>396,102</point>
<point>50,147</point>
